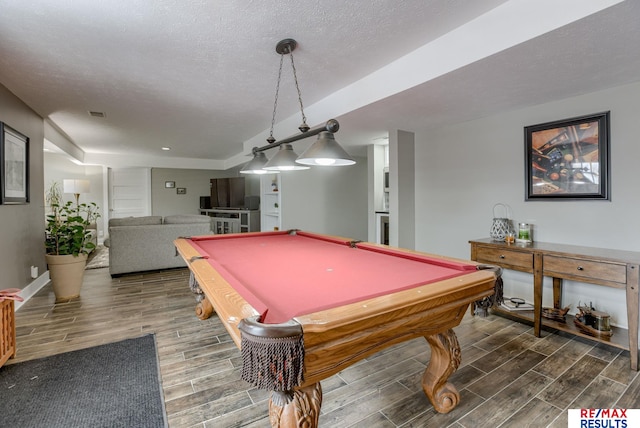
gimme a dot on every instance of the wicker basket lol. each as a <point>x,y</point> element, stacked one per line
<point>7,331</point>
<point>501,226</point>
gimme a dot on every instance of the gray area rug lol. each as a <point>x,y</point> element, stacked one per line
<point>99,258</point>
<point>113,385</point>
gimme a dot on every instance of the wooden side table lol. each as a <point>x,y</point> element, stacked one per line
<point>7,331</point>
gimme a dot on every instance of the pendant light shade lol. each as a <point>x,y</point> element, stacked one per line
<point>255,165</point>
<point>284,160</point>
<point>325,151</point>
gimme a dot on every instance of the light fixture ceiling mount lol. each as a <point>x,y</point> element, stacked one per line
<point>286,46</point>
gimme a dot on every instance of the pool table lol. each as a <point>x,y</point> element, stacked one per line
<point>304,306</point>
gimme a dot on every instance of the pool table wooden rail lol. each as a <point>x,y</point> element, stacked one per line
<point>336,338</point>
<point>229,305</point>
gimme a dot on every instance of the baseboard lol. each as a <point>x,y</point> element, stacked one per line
<point>30,290</point>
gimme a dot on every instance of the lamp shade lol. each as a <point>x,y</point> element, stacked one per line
<point>255,165</point>
<point>325,151</point>
<point>75,186</point>
<point>284,160</point>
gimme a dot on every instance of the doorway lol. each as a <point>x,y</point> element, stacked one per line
<point>129,192</point>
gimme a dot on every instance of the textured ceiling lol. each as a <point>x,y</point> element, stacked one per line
<point>199,76</point>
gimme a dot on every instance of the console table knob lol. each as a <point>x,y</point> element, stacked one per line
<point>580,268</point>
<point>502,256</point>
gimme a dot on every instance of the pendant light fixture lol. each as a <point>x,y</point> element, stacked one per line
<point>256,165</point>
<point>325,151</point>
<point>284,160</point>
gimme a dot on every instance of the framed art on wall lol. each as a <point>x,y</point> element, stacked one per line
<point>568,159</point>
<point>14,166</point>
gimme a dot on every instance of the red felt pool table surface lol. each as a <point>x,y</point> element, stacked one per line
<point>303,306</point>
<point>284,275</point>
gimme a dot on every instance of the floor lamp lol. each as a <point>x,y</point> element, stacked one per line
<point>76,187</point>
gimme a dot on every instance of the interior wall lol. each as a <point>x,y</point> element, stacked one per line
<point>330,200</point>
<point>22,231</point>
<point>166,201</point>
<point>469,167</point>
<point>402,189</point>
<point>58,167</point>
<point>375,173</point>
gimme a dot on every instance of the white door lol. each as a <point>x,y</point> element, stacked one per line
<point>129,192</point>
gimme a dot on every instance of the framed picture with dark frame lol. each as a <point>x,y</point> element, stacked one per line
<point>14,166</point>
<point>568,159</point>
<point>181,190</point>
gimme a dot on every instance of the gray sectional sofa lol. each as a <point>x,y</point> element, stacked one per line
<point>139,244</point>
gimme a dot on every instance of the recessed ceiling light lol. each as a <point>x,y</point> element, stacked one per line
<point>97,114</point>
<point>166,149</point>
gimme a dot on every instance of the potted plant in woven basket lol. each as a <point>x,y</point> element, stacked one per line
<point>67,242</point>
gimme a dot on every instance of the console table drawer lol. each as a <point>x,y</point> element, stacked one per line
<point>502,256</point>
<point>590,270</point>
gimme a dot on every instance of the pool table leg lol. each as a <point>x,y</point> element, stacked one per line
<point>204,308</point>
<point>445,359</point>
<point>302,410</point>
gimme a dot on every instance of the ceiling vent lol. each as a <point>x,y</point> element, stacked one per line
<point>97,114</point>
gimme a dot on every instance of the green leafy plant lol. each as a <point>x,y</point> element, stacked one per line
<point>67,230</point>
<point>53,196</point>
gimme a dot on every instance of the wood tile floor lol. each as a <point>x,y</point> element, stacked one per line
<point>508,377</point>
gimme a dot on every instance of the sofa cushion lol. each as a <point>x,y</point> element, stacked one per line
<point>135,221</point>
<point>186,219</point>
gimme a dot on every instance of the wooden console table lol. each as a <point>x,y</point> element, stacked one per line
<point>611,268</point>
